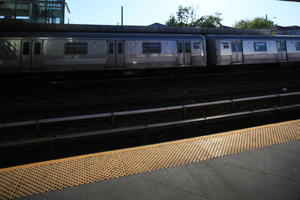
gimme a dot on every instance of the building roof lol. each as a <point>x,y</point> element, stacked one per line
<point>157,24</point>
<point>291,0</point>
<point>288,27</point>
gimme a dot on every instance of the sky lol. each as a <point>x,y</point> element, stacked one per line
<point>146,12</point>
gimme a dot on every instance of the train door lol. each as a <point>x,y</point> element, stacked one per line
<point>116,55</point>
<point>32,54</point>
<point>180,53</point>
<point>282,52</point>
<point>237,51</point>
<point>120,56</point>
<point>184,52</point>
<point>187,53</point>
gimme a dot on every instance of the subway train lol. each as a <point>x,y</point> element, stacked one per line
<point>75,51</point>
<point>224,50</point>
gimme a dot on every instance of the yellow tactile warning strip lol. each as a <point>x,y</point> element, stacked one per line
<point>58,174</point>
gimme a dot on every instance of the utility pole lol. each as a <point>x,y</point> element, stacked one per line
<point>122,22</point>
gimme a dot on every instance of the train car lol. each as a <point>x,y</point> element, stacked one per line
<point>67,51</point>
<point>224,50</point>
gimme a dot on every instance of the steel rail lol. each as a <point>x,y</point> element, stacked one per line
<point>112,115</point>
<point>58,138</point>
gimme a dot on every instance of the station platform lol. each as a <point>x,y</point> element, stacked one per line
<point>256,163</point>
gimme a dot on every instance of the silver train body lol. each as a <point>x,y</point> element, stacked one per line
<point>46,52</point>
<point>226,50</point>
<point>67,51</point>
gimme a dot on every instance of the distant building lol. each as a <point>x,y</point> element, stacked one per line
<point>226,27</point>
<point>291,0</point>
<point>287,30</point>
<point>157,24</point>
<point>33,11</point>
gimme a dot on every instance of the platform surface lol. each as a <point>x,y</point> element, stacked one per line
<point>269,173</point>
<point>256,163</point>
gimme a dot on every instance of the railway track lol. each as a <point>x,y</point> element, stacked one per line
<point>31,141</point>
<point>89,97</point>
<point>66,119</point>
<point>87,78</point>
<point>40,131</point>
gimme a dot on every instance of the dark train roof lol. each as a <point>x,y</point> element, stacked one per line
<point>23,27</point>
<point>253,36</point>
<point>99,35</point>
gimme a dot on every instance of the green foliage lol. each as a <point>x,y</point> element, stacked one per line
<point>172,21</point>
<point>256,23</point>
<point>186,16</point>
<point>211,21</point>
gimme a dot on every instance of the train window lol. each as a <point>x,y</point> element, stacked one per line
<point>187,47</point>
<point>76,48</point>
<point>297,46</point>
<point>120,48</point>
<point>179,47</point>
<point>7,50</point>
<point>197,45</point>
<point>37,48</point>
<point>26,48</point>
<point>225,45</point>
<point>260,46</point>
<point>151,47</point>
<point>111,48</point>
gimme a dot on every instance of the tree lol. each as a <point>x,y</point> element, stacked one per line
<point>256,23</point>
<point>187,16</point>
<point>211,21</point>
